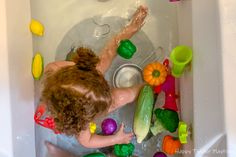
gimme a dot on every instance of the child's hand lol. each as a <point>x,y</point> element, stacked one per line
<point>138,18</point>
<point>121,137</point>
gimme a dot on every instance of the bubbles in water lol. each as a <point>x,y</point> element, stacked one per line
<point>144,146</point>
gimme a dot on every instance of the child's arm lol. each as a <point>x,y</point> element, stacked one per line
<point>89,140</point>
<point>122,96</point>
<point>109,52</point>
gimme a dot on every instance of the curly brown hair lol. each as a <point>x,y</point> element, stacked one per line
<point>76,94</point>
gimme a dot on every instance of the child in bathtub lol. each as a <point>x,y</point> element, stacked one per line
<point>76,93</point>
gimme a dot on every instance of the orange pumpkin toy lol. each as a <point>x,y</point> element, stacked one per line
<point>155,74</point>
<point>170,146</point>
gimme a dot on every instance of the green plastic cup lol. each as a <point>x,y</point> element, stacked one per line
<point>180,57</point>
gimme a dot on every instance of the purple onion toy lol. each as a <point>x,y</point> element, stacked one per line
<point>109,126</point>
<point>159,154</point>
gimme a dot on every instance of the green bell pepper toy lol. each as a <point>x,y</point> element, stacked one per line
<point>124,150</point>
<point>71,55</point>
<point>98,154</point>
<point>126,49</point>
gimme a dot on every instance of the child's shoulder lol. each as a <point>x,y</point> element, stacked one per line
<point>54,66</point>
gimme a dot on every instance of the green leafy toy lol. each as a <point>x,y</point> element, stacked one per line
<point>126,49</point>
<point>166,120</point>
<point>124,150</point>
<point>98,154</point>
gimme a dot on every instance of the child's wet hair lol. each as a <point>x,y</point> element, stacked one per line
<point>76,94</point>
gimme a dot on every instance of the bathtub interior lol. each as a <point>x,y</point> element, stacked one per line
<point>78,23</point>
<point>197,23</point>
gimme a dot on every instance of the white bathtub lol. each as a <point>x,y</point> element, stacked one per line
<point>207,98</point>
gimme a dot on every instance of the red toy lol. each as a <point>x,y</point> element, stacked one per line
<point>48,122</point>
<point>169,88</point>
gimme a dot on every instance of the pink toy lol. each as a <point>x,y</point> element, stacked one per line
<point>48,122</point>
<point>169,88</point>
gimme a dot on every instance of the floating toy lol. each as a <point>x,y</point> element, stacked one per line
<point>109,126</point>
<point>180,57</point>
<point>143,113</point>
<point>159,154</point>
<point>155,74</point>
<point>169,88</point>
<point>47,122</point>
<point>72,54</point>
<point>126,49</point>
<point>166,120</point>
<point>92,127</point>
<point>98,154</point>
<point>183,132</point>
<point>36,28</point>
<point>166,64</point>
<point>170,145</point>
<point>37,66</point>
<point>123,150</point>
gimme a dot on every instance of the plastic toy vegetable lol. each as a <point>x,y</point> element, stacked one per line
<point>109,126</point>
<point>98,154</point>
<point>71,55</point>
<point>37,66</point>
<point>166,120</point>
<point>143,113</point>
<point>157,128</point>
<point>126,49</point>
<point>123,150</point>
<point>159,154</point>
<point>36,28</point>
<point>92,127</point>
<point>170,145</point>
<point>155,74</point>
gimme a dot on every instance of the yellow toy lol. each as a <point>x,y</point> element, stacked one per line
<point>183,132</point>
<point>155,74</point>
<point>36,28</point>
<point>37,66</point>
<point>92,127</point>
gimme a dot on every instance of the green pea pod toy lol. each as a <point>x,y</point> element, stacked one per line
<point>126,49</point>
<point>95,155</point>
<point>123,150</point>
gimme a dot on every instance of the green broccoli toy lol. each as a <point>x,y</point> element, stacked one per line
<point>124,150</point>
<point>166,120</point>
